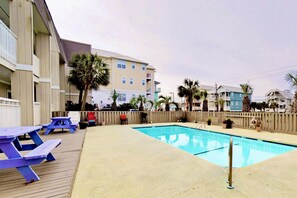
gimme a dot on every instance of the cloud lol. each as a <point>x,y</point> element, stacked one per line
<point>227,41</point>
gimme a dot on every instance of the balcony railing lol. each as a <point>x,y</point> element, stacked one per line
<point>10,113</point>
<point>8,42</point>
<point>158,90</point>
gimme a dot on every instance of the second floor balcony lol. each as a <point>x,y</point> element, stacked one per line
<point>8,44</point>
<point>158,90</point>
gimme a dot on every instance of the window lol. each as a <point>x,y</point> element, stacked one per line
<point>131,81</point>
<point>236,104</point>
<point>124,80</point>
<point>239,95</point>
<point>143,67</point>
<point>133,66</point>
<point>231,104</point>
<point>133,95</point>
<point>122,97</point>
<point>121,64</point>
<point>143,82</point>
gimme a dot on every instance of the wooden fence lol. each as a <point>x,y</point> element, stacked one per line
<point>273,122</point>
<point>113,117</point>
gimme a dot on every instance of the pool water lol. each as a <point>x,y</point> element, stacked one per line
<point>214,147</point>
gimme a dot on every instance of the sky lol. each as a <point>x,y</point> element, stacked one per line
<point>225,42</point>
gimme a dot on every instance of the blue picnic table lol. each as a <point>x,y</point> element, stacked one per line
<point>11,147</point>
<point>61,123</point>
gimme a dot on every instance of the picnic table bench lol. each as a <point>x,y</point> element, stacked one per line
<point>60,123</point>
<point>11,147</point>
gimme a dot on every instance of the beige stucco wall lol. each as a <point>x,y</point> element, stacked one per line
<point>22,81</point>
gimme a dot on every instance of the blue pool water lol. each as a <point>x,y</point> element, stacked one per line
<point>214,147</point>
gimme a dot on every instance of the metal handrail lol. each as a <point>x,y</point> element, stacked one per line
<point>230,186</point>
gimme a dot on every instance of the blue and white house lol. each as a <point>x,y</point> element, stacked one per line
<point>232,97</point>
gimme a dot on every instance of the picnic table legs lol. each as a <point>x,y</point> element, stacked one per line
<point>38,141</point>
<point>11,152</point>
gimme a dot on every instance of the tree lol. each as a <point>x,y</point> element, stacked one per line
<point>141,100</point>
<point>91,73</point>
<point>205,102</point>
<point>291,78</point>
<point>114,96</point>
<point>254,106</point>
<point>221,103</point>
<point>263,105</point>
<point>246,89</point>
<point>190,90</point>
<point>167,101</point>
<point>273,105</point>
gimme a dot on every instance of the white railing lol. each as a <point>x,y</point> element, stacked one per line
<point>10,113</point>
<point>37,113</point>
<point>8,42</point>
<point>36,66</point>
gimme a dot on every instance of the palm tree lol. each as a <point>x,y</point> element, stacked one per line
<point>190,90</point>
<point>141,100</point>
<point>221,103</point>
<point>114,96</point>
<point>167,101</point>
<point>91,72</point>
<point>273,105</point>
<point>246,102</point>
<point>205,102</point>
<point>74,79</point>
<point>291,78</point>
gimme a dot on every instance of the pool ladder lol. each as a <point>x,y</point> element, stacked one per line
<point>230,186</point>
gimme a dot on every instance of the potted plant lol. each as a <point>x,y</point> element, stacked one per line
<point>209,121</point>
<point>257,123</point>
<point>228,123</point>
<point>224,123</point>
<point>83,124</point>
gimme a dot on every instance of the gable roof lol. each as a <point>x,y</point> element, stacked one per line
<point>73,47</point>
<point>285,94</point>
<point>108,54</point>
<point>230,88</point>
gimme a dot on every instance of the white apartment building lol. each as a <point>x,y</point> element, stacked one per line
<point>282,98</point>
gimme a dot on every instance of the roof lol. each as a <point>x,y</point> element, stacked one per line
<point>45,14</point>
<point>150,67</point>
<point>230,88</point>
<point>43,11</point>
<point>207,87</point>
<point>73,47</point>
<point>108,54</point>
<point>284,93</point>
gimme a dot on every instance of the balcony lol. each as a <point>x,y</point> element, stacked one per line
<point>8,42</point>
<point>157,90</point>
<point>10,113</point>
<point>148,77</point>
<point>36,66</point>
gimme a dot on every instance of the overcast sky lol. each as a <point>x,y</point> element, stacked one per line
<point>228,41</point>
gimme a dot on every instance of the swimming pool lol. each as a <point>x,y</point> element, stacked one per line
<point>214,147</point>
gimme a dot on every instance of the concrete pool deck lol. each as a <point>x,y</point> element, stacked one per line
<point>118,161</point>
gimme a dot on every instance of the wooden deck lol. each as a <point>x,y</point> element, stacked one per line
<point>56,177</point>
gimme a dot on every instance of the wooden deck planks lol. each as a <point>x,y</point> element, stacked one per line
<point>56,177</point>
